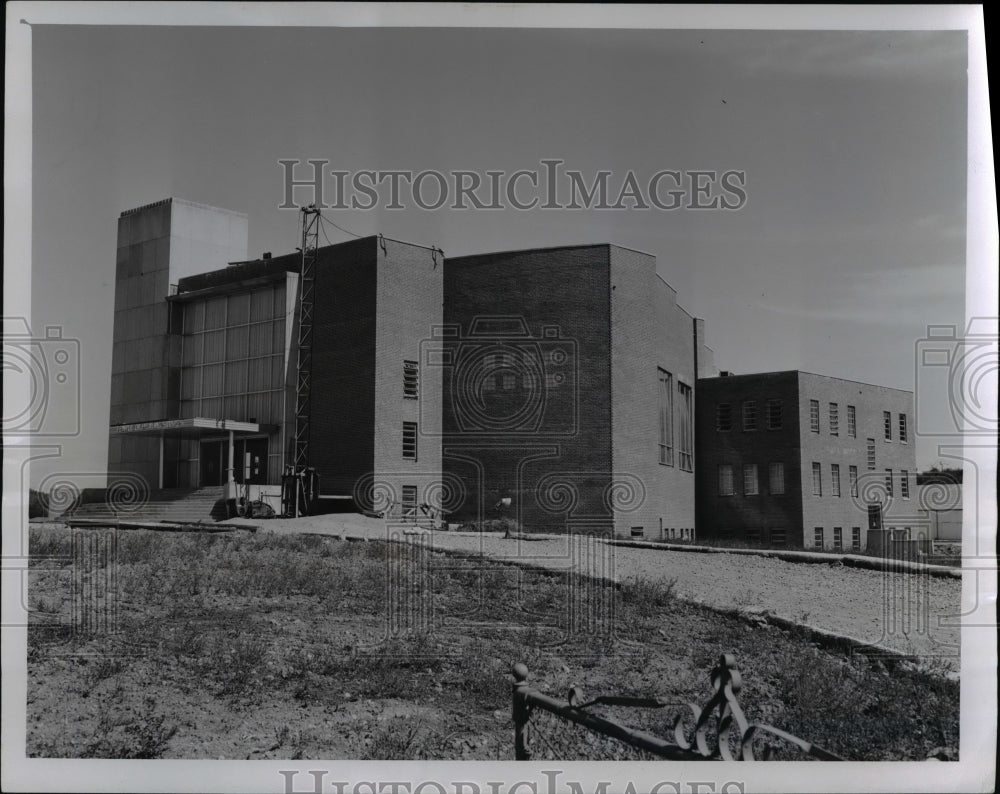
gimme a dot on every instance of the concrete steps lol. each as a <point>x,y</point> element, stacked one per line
<point>166,504</point>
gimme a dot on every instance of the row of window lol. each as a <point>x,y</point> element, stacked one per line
<point>838,538</point>
<point>751,486</point>
<point>773,415</point>
<point>685,422</point>
<point>852,476</point>
<point>852,422</point>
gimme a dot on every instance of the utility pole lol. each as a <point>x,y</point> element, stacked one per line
<point>303,383</point>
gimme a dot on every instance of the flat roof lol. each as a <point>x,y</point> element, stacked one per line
<point>804,372</point>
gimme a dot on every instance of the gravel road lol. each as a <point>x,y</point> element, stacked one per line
<point>896,611</point>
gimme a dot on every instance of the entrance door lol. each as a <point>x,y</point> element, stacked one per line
<point>251,461</point>
<point>212,469</point>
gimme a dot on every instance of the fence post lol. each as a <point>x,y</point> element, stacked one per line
<point>522,751</point>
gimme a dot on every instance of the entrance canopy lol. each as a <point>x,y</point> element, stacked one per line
<point>197,426</point>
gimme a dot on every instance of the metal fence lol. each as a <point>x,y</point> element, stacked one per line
<point>546,728</point>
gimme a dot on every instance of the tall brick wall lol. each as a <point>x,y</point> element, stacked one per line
<point>739,515</point>
<point>829,511</point>
<point>409,300</point>
<point>547,444</point>
<point>342,441</point>
<point>649,332</point>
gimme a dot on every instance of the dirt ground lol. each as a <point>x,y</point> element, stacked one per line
<point>288,645</point>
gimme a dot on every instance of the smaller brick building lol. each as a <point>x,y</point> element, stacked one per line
<point>797,459</point>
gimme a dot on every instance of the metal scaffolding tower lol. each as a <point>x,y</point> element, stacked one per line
<point>307,279</point>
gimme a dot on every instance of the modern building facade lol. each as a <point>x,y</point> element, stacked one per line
<point>204,376</point>
<point>797,459</point>
<point>569,390</point>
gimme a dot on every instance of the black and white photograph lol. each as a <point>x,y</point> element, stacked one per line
<point>498,398</point>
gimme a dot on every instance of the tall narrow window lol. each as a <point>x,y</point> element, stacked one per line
<point>902,428</point>
<point>904,484</point>
<point>838,537</point>
<point>409,501</point>
<point>871,453</point>
<point>725,480</point>
<point>750,479</point>
<point>852,422</point>
<point>834,420</point>
<point>875,516</point>
<point>817,479</point>
<point>686,427</point>
<point>887,424</point>
<point>852,477</point>
<point>411,380</point>
<point>776,475</point>
<point>888,482</point>
<point>814,415</point>
<point>723,417</point>
<point>856,538</point>
<point>835,479</point>
<point>774,415</point>
<point>410,440</point>
<point>666,386</point>
<point>818,537</point>
<point>750,415</point>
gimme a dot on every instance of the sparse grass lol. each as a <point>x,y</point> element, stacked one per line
<point>247,627</point>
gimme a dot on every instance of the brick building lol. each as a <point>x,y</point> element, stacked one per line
<point>569,385</point>
<point>797,459</point>
<point>204,370</point>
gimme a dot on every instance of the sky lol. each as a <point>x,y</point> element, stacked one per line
<point>851,242</point>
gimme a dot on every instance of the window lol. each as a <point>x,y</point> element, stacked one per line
<point>818,537</point>
<point>838,537</point>
<point>409,440</point>
<point>817,479</point>
<point>774,414</point>
<point>753,535</point>
<point>856,538</point>
<point>507,381</point>
<point>723,417</point>
<point>637,532</point>
<point>852,422</point>
<point>666,417</point>
<point>888,482</point>
<point>871,453</point>
<point>411,379</point>
<point>887,424</point>
<point>834,420</point>
<point>852,478</point>
<point>750,415</point>
<point>750,479</point>
<point>902,428</point>
<point>904,484</point>
<point>814,415</point>
<point>725,480</point>
<point>835,479</point>
<point>686,428</point>
<point>409,500</point>
<point>778,537</point>
<point>874,516</point>
<point>776,475</point>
